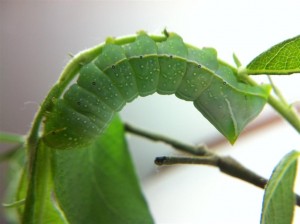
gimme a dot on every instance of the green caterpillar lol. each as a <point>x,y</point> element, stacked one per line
<point>142,66</point>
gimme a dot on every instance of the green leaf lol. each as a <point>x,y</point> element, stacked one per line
<point>283,58</point>
<point>14,192</point>
<point>279,198</point>
<point>41,208</point>
<point>98,184</point>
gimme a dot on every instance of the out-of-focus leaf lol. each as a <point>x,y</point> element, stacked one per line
<point>14,178</point>
<point>43,206</point>
<point>279,198</point>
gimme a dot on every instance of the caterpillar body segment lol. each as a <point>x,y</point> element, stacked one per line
<point>97,82</point>
<point>114,63</point>
<point>142,56</point>
<point>67,128</point>
<point>88,104</point>
<point>140,67</point>
<point>172,55</point>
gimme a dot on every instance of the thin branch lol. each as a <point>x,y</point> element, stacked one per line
<point>205,160</point>
<point>226,164</point>
<point>200,150</point>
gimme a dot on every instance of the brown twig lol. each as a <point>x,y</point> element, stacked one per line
<point>226,164</point>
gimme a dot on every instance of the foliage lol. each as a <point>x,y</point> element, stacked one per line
<point>95,182</point>
<point>279,199</point>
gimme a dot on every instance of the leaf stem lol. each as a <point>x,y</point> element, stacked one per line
<point>11,138</point>
<point>277,91</point>
<point>226,164</point>
<point>14,204</point>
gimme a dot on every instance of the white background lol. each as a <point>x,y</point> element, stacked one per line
<point>36,37</point>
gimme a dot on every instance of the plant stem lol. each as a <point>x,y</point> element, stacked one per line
<point>40,176</point>
<point>226,164</point>
<point>198,150</point>
<point>277,91</point>
<point>11,138</point>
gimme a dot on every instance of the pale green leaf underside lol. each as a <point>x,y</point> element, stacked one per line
<point>98,184</point>
<point>282,58</point>
<point>279,198</point>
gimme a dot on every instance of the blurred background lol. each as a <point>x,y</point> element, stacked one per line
<point>37,36</point>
